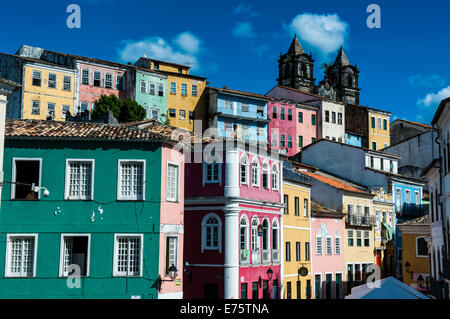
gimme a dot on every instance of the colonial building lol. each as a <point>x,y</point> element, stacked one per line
<point>233,215</point>
<point>93,200</point>
<point>403,129</point>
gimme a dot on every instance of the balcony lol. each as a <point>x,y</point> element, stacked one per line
<point>413,210</point>
<point>275,256</point>
<point>244,257</point>
<point>358,220</point>
<point>266,257</point>
<point>256,257</point>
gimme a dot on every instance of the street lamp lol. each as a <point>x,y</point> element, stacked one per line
<point>172,275</point>
<point>269,273</point>
<point>407,267</point>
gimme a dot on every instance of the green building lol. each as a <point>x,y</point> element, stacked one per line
<point>149,89</point>
<point>95,209</point>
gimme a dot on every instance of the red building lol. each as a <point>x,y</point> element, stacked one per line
<point>232,224</point>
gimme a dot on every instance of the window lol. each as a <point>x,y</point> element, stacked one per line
<point>407,196</point>
<point>296,206</point>
<point>350,238</point>
<point>286,204</point>
<point>300,141</point>
<point>265,175</point>
<point>339,118</point>
<point>300,117</point>
<point>83,106</point>
<point>318,245</point>
<point>385,124</point>
<point>282,113</point>
<point>366,215</point>
<point>274,112</point>
<point>184,89</point>
<point>51,83</point>
<point>119,82</point>
<point>244,107</point>
<point>377,220</point>
<point>228,104</point>
<point>327,116</point>
<point>307,251</point>
<point>143,87</point>
<point>265,236</point>
<point>275,177</point>
<point>313,140</point>
<point>260,131</point>
<point>191,116</point>
<point>180,70</point>
<point>299,290</point>
<point>173,88</point>
<point>282,140</point>
<point>65,110</point>
<point>131,180</point>
<point>255,172</point>
<point>289,114</point>
<point>275,245</point>
<point>372,121</point>
<point>97,79</point>
<point>255,290</point>
<point>398,196</point>
<point>374,146</point>
<point>127,255</point>
<point>288,290</point>
<point>333,117</point>
<point>182,114</point>
<point>212,172</point>
<point>25,173</point>
<point>79,179</point>
<point>288,251</point>
<point>379,123</point>
<point>160,90</point>
<point>421,247</point>
<point>329,245</point>
<point>337,245</point>
<point>36,78</point>
<point>194,90</point>
<point>74,251</point>
<point>21,255</point>
<point>384,217</point>
<point>313,119</point>
<point>172,182</point>
<point>156,65</point>
<point>171,252</point>
<point>85,77</point>
<point>108,81</point>
<point>36,108</point>
<point>318,286</point>
<point>366,238</point>
<point>305,207</point>
<point>358,214</point>
<point>244,236</point>
<point>289,141</point>
<point>255,237</point>
<point>151,88</point>
<point>51,110</point>
<point>244,170</point>
<point>260,110</point>
<point>416,198</point>
<point>244,291</point>
<point>358,238</point>
<point>211,233</point>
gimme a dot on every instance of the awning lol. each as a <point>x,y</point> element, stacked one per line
<point>390,231</point>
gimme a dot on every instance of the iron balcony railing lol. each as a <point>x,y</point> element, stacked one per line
<point>275,256</point>
<point>266,257</point>
<point>256,257</point>
<point>359,220</point>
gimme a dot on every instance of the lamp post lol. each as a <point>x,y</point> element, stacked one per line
<point>172,274</point>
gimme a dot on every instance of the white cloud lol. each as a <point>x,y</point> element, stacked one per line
<point>434,98</point>
<point>243,30</point>
<point>246,10</point>
<point>185,49</point>
<point>432,80</point>
<point>325,32</point>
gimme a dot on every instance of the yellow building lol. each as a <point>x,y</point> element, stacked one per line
<point>384,208</point>
<point>379,131</point>
<point>48,90</point>
<point>296,236</point>
<point>415,237</point>
<point>359,238</point>
<point>185,93</point>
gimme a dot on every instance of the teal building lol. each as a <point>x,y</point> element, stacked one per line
<point>81,199</point>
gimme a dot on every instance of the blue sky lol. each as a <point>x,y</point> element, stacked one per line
<point>404,64</point>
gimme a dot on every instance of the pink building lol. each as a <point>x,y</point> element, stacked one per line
<point>292,126</point>
<point>97,77</point>
<point>232,216</point>
<point>327,258</point>
<point>171,223</point>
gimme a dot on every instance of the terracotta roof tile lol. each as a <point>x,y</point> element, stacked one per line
<point>335,183</point>
<point>421,221</point>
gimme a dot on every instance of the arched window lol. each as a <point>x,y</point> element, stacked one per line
<point>275,232</point>
<point>255,172</point>
<point>211,233</point>
<point>244,169</point>
<point>349,81</point>
<point>304,71</point>
<point>275,177</point>
<point>266,236</point>
<point>244,233</point>
<point>255,239</point>
<point>265,175</point>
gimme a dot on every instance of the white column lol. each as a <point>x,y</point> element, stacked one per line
<point>231,173</point>
<point>231,267</point>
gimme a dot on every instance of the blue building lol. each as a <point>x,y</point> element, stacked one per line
<point>238,114</point>
<point>354,139</point>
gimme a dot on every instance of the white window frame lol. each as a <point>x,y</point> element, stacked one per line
<point>119,179</point>
<point>66,186</point>
<point>219,233</point>
<point>258,172</point>
<point>116,247</point>
<point>168,236</point>
<point>62,248</point>
<point>337,239</point>
<point>328,248</point>
<point>276,173</point>
<point>266,171</point>
<point>93,78</point>
<point>160,89</point>
<point>64,88</point>
<point>177,165</point>
<point>88,76</point>
<point>142,85</point>
<point>194,92</point>
<point>247,164</point>
<point>319,238</point>
<point>173,88</point>
<point>32,105</point>
<point>33,72</point>
<point>13,174</point>
<point>407,196</point>
<point>184,89</point>
<point>48,81</point>
<point>63,115</point>
<point>213,181</point>
<point>111,80</point>
<point>8,255</point>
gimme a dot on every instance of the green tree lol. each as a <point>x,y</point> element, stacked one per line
<point>124,111</point>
